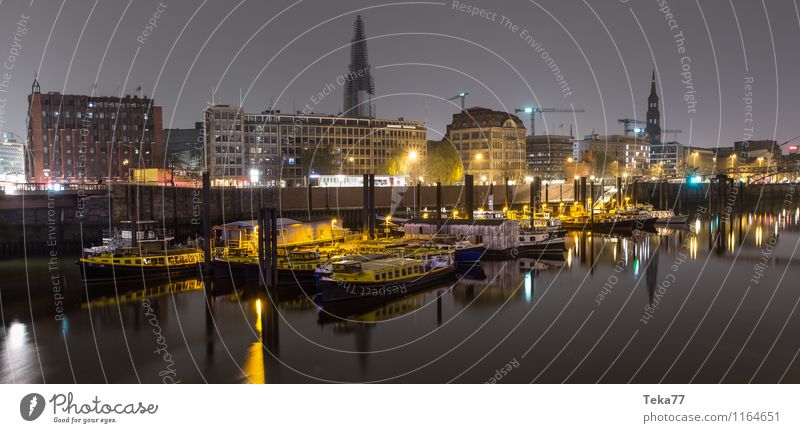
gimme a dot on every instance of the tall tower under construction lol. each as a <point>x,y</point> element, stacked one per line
<point>359,88</point>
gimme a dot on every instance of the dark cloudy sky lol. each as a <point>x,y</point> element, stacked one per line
<point>282,53</point>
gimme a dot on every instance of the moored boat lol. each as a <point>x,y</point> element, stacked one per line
<point>139,250</point>
<point>667,217</point>
<point>357,279</point>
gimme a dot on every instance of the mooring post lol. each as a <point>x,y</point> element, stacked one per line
<point>591,206</point>
<point>619,192</point>
<point>418,199</point>
<point>268,247</point>
<point>308,197</point>
<point>365,206</point>
<point>468,195</point>
<point>372,206</point>
<point>273,238</point>
<point>507,201</point>
<point>535,192</point>
<point>128,203</point>
<point>546,187</point>
<point>710,197</point>
<point>583,192</point>
<point>175,211</point>
<point>207,222</point>
<point>575,194</point>
<point>741,198</point>
<point>438,204</point>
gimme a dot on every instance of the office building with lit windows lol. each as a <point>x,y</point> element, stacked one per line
<point>279,149</point>
<point>83,138</point>
<point>491,144</point>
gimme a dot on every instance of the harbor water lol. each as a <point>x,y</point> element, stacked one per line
<point>710,301</point>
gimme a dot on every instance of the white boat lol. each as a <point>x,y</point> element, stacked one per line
<point>667,217</point>
<point>540,241</point>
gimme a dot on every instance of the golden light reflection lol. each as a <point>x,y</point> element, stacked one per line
<point>569,258</point>
<point>693,248</point>
<point>758,236</point>
<point>254,363</point>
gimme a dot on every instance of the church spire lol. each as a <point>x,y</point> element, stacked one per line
<point>653,128</point>
<point>359,88</point>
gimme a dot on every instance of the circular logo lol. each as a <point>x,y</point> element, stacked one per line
<point>31,406</point>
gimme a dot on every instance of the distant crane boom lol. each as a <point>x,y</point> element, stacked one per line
<point>462,96</point>
<point>533,111</point>
<point>628,122</point>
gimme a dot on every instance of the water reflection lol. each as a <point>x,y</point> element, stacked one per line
<point>220,331</point>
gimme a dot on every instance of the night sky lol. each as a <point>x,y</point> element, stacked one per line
<point>283,53</point>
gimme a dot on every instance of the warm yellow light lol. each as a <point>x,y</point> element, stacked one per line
<point>421,179</point>
<point>258,307</point>
<point>479,157</point>
<point>576,177</point>
<point>505,209</point>
<point>334,221</point>
<point>412,155</point>
<point>624,174</point>
<point>351,159</point>
<point>388,218</point>
<point>425,215</point>
<point>455,213</point>
<point>525,207</point>
<point>591,177</point>
<point>125,162</point>
<point>569,159</point>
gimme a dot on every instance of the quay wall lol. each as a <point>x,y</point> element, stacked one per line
<point>70,219</point>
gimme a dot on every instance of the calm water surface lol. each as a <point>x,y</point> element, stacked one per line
<point>680,305</point>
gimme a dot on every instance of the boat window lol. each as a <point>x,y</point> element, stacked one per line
<point>138,261</point>
<point>396,273</point>
<point>347,268</point>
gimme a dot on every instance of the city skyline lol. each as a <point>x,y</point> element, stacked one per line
<point>501,68</point>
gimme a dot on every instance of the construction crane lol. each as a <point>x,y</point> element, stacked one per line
<point>462,96</point>
<point>533,111</point>
<point>628,130</point>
